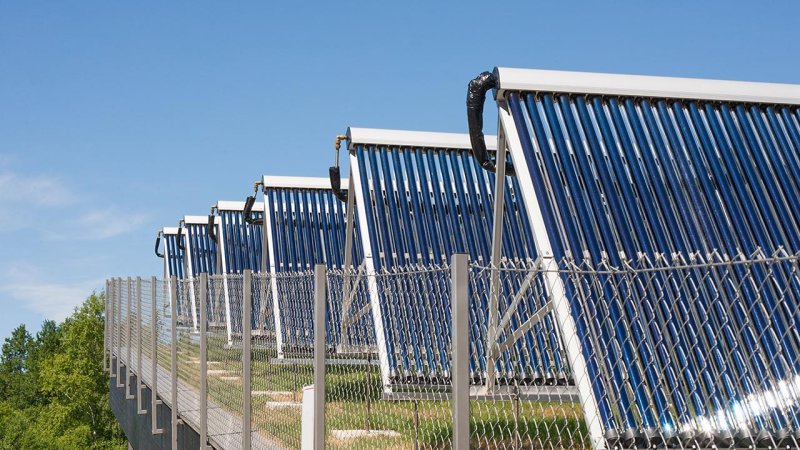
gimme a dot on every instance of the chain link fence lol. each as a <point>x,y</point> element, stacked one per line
<point>672,351</point>
<point>282,362</point>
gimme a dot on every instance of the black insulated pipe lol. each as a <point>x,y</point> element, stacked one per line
<point>476,98</point>
<point>180,239</point>
<point>336,183</point>
<point>158,244</point>
<point>212,229</point>
<point>248,209</point>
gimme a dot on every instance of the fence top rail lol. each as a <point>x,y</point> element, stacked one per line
<point>640,263</point>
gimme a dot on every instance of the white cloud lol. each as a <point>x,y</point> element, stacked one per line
<point>108,223</point>
<point>56,301</point>
<point>28,191</point>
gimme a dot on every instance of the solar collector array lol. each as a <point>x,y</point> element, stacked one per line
<point>175,266</point>
<point>201,248</point>
<point>240,247</point>
<point>427,200</point>
<point>306,226</point>
<point>620,176</point>
<point>242,242</point>
<point>173,253</point>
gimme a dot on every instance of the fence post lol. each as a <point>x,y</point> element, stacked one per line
<point>246,357</point>
<point>105,331</point>
<point>320,284</point>
<point>110,316</point>
<point>139,370</point>
<point>120,329</point>
<point>154,401</point>
<point>203,361</point>
<point>459,276</point>
<point>173,365</point>
<point>129,325</point>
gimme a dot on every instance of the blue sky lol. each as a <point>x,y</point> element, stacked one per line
<point>117,119</point>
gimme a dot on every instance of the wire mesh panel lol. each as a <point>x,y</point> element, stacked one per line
<point>217,304</point>
<point>125,323</point>
<point>116,342</point>
<point>523,400</point>
<point>716,384</point>
<point>619,178</point>
<point>145,331</point>
<point>277,383</point>
<point>187,312</point>
<point>350,331</point>
<point>262,320</point>
<point>164,341</point>
<point>188,354</point>
<point>224,375</point>
<point>359,411</point>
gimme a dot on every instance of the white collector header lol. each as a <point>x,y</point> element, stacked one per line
<point>402,138</point>
<point>645,86</point>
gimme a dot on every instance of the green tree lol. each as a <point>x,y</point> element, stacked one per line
<point>63,390</point>
<point>17,385</point>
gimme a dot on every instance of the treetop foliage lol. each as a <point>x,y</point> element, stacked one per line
<point>53,389</point>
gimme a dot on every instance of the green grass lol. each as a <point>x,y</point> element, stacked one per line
<point>353,402</point>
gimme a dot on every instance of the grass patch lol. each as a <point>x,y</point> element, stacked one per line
<point>354,402</point>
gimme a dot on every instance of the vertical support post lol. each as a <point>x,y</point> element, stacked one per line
<point>273,269</point>
<point>111,319</point>
<point>459,279</point>
<point>139,381</point>
<point>349,270</point>
<point>320,285</point>
<point>190,276</point>
<point>120,330</point>
<point>105,329</point>
<point>154,401</point>
<point>173,365</point>
<point>128,326</point>
<point>372,282</point>
<point>203,361</point>
<point>247,304</point>
<point>497,247</point>
<point>223,265</point>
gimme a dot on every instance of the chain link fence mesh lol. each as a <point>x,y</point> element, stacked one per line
<point>396,400</point>
<point>282,355</point>
<point>164,344</point>
<point>188,355</point>
<point>224,359</point>
<point>682,351</point>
